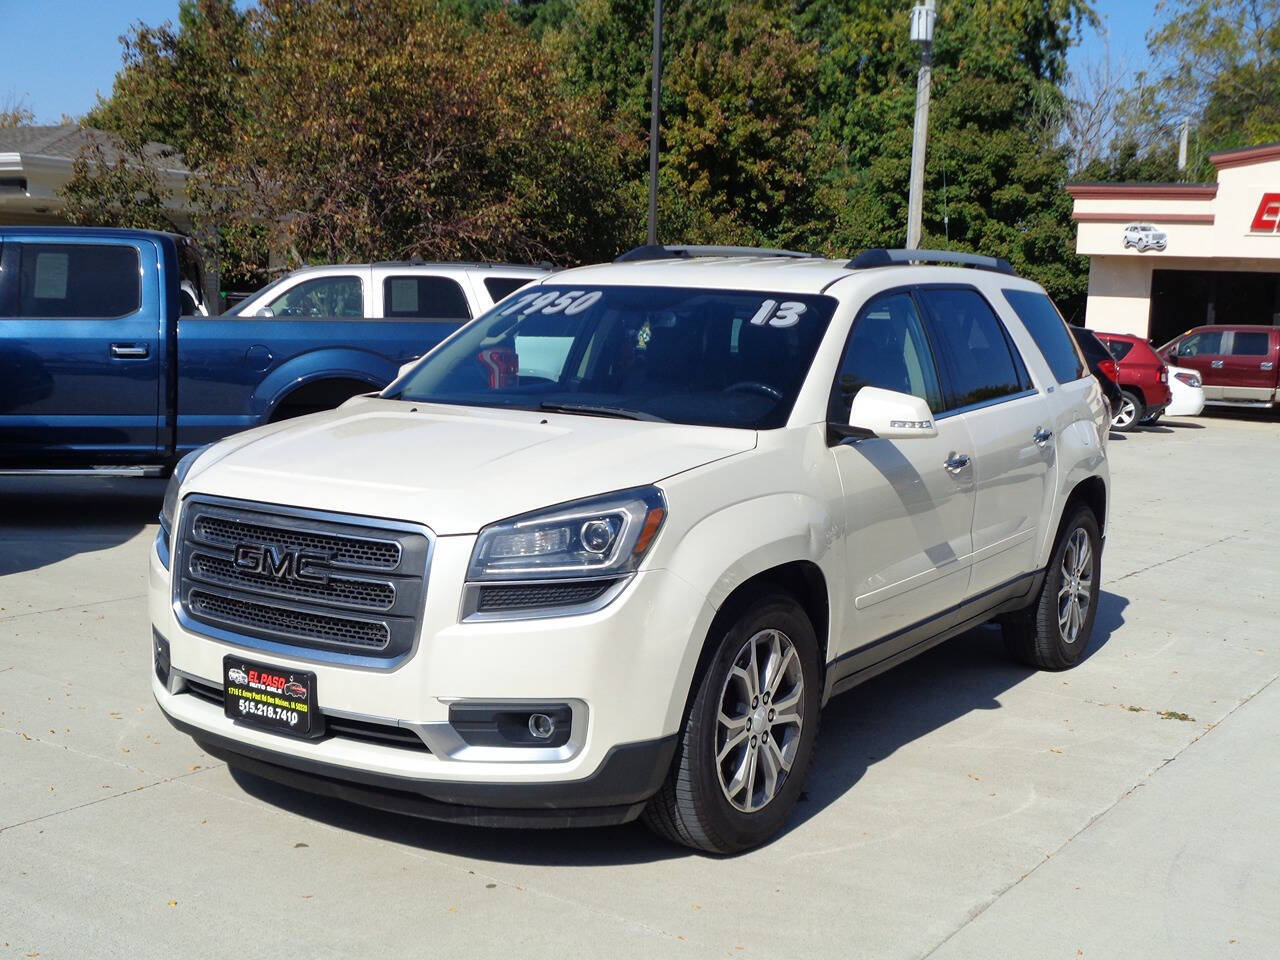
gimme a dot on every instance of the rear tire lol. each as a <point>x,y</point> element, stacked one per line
<point>1150,421</point>
<point>1053,633</point>
<point>740,764</point>
<point>1130,413</point>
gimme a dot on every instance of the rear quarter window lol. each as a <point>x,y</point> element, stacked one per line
<point>92,280</point>
<point>419,297</point>
<point>1049,331</point>
<point>500,287</point>
<point>1119,348</point>
<point>1250,344</point>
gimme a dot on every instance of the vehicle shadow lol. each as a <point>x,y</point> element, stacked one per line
<point>859,729</point>
<point>44,520</point>
<point>1182,424</point>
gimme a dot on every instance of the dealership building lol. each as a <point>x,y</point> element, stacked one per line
<point>1167,257</point>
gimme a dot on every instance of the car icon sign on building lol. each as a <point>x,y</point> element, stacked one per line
<point>1145,237</point>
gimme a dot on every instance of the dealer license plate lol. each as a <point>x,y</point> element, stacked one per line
<point>273,698</point>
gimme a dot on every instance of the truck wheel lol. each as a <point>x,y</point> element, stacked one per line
<point>1130,412</point>
<point>1052,633</point>
<point>748,737</point>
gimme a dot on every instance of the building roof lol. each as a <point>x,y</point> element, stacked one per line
<point>67,140</point>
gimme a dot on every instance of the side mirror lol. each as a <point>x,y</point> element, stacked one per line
<point>891,415</point>
<point>264,312</point>
<point>406,367</point>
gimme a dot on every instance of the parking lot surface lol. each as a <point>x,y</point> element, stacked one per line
<point>959,805</point>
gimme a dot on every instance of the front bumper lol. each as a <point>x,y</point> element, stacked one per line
<point>626,669</point>
<point>615,793</point>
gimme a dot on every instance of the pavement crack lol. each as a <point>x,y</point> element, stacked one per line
<point>72,606</point>
<point>1161,563</point>
<point>974,915</point>
<point>95,802</point>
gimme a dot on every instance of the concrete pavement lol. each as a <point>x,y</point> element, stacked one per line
<point>960,805</point>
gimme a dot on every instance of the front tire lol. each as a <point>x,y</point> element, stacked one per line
<point>1131,411</point>
<point>1053,633</point>
<point>748,737</point>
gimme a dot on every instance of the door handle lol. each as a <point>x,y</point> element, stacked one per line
<point>1216,364</point>
<point>1267,365</point>
<point>130,351</point>
<point>956,462</point>
<point>1042,436</point>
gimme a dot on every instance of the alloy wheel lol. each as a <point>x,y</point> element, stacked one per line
<point>1075,593</point>
<point>758,723</point>
<point>1124,416</point>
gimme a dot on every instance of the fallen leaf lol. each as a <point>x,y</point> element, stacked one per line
<point>974,776</point>
<point>173,903</point>
<point>1055,749</point>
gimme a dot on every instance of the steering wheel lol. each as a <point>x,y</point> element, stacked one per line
<point>754,386</point>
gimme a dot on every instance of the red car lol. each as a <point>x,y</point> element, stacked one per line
<point>1143,378</point>
<point>1238,365</point>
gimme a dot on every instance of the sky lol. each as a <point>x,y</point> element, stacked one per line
<point>57,55</point>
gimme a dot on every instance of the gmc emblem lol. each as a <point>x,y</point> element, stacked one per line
<point>299,565</point>
<point>1267,219</point>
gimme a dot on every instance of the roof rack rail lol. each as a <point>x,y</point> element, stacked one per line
<point>881,257</point>
<point>683,251</point>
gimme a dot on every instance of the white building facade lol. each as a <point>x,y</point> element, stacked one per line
<point>1167,257</point>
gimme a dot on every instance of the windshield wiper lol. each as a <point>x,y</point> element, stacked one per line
<point>593,410</point>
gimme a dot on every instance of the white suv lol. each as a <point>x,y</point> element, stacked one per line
<point>1145,237</point>
<point>607,550</point>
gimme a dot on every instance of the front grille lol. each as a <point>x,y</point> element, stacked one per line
<point>274,619</point>
<point>374,555</point>
<point>288,576</point>
<point>522,596</point>
<point>337,589</point>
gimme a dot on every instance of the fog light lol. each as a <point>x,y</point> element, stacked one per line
<point>541,726</point>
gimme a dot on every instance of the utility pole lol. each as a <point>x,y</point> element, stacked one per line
<point>655,112</point>
<point>1182,144</point>
<point>923,16</point>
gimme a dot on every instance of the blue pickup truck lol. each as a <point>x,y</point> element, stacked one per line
<point>99,366</point>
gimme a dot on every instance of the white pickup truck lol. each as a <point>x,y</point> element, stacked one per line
<point>606,551</point>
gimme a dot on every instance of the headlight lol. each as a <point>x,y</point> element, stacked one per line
<point>604,536</point>
<point>170,505</point>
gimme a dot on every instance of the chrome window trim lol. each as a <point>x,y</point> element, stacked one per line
<point>292,651</point>
<point>968,408</point>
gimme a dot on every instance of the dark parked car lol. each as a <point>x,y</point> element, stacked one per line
<point>1101,364</point>
<point>1143,379</point>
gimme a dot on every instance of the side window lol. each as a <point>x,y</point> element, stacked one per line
<point>500,287</point>
<point>1207,343</point>
<point>1251,344</point>
<point>321,297</point>
<point>79,280</point>
<point>982,363</point>
<point>1119,348</point>
<point>1049,331</point>
<point>887,348</point>
<point>435,298</point>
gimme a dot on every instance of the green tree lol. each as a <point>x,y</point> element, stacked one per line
<point>995,167</point>
<point>113,186</point>
<point>182,84</point>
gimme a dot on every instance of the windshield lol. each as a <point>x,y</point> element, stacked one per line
<point>240,307</point>
<point>711,357</point>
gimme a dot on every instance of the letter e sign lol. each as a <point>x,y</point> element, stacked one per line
<point>1267,219</point>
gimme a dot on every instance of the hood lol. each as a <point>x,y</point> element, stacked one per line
<point>454,469</point>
